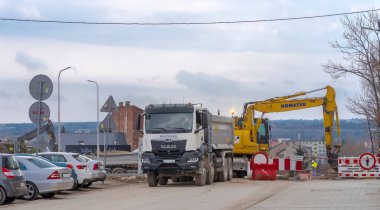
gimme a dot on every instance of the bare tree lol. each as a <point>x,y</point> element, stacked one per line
<point>361,57</point>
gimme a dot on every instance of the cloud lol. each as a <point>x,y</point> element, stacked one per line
<point>29,11</point>
<point>208,84</point>
<point>29,62</point>
<point>4,95</point>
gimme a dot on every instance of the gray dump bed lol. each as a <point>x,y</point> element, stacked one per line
<point>222,134</point>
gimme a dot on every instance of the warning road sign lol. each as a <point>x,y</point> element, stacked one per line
<point>367,161</point>
<point>109,106</point>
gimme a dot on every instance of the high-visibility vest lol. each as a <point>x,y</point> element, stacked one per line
<point>314,165</point>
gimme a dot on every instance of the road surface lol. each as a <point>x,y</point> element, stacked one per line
<point>237,194</point>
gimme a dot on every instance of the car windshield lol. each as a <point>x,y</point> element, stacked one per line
<point>40,163</point>
<point>10,163</point>
<point>169,122</point>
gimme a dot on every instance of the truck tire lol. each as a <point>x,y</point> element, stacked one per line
<point>210,172</point>
<point>119,171</point>
<point>163,181</point>
<point>230,169</point>
<point>223,175</point>
<point>200,177</point>
<point>152,179</point>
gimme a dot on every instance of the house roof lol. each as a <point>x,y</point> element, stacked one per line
<point>81,138</point>
<point>90,138</point>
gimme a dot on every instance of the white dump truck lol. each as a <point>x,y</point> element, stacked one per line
<point>185,142</point>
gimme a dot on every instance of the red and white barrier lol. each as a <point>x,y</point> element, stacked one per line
<point>286,164</point>
<point>367,165</point>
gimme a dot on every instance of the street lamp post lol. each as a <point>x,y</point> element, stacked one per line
<point>97,118</point>
<point>59,109</point>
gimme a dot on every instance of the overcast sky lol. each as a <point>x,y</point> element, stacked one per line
<point>221,66</point>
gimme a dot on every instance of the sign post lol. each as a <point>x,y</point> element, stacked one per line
<point>110,107</point>
<point>40,88</point>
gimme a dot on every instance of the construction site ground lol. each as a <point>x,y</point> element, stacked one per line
<point>133,193</point>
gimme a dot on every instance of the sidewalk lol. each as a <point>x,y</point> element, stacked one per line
<point>344,194</point>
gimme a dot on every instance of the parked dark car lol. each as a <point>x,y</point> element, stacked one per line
<point>12,181</point>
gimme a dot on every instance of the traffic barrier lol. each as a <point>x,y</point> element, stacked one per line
<point>365,166</point>
<point>264,171</point>
<point>287,164</point>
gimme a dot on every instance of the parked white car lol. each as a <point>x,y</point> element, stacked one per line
<point>81,167</point>
<point>43,177</point>
<point>97,169</point>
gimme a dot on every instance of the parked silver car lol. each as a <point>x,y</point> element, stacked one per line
<point>96,167</point>
<point>12,181</point>
<point>43,177</point>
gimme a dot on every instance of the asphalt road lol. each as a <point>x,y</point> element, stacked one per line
<point>237,194</point>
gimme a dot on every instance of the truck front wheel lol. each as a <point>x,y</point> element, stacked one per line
<point>200,176</point>
<point>163,181</point>
<point>152,179</point>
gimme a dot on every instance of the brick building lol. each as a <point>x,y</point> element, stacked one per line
<point>125,121</point>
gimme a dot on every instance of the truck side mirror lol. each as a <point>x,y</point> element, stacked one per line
<point>197,130</point>
<point>204,120</point>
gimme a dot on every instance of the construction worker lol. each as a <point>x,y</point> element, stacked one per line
<point>314,166</point>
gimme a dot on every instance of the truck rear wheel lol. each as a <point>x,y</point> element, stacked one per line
<point>210,172</point>
<point>200,176</point>
<point>152,179</point>
<point>223,175</point>
<point>163,181</point>
<point>230,169</point>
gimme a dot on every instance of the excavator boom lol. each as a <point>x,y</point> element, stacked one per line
<point>247,130</point>
<point>49,128</point>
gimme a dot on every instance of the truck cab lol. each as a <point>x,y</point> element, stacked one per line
<point>177,143</point>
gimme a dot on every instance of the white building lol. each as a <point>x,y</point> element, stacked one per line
<point>318,148</point>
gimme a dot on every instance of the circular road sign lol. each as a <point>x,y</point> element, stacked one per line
<point>41,87</point>
<point>367,161</point>
<point>260,158</point>
<point>35,113</point>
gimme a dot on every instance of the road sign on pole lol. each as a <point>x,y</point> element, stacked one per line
<point>41,87</point>
<point>107,124</point>
<point>109,106</point>
<point>367,161</point>
<point>39,115</point>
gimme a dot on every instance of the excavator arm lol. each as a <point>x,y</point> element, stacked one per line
<point>49,128</point>
<point>291,103</point>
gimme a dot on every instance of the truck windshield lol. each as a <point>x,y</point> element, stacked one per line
<point>169,123</point>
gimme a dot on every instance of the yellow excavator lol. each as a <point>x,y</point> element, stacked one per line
<point>252,134</point>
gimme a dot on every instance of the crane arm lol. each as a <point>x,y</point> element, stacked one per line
<point>49,128</point>
<point>288,103</point>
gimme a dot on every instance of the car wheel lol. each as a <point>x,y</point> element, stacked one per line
<point>9,200</point>
<point>31,193</point>
<point>48,195</point>
<point>75,185</point>
<point>3,196</point>
<point>87,185</point>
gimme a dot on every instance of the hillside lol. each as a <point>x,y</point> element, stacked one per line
<point>352,130</point>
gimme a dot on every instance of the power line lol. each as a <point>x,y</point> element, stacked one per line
<point>185,23</point>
